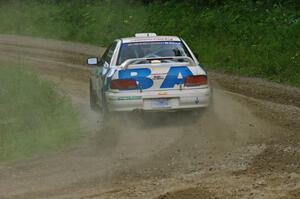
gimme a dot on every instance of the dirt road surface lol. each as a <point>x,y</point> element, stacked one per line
<point>246,146</point>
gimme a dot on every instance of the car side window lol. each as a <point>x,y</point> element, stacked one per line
<point>107,56</point>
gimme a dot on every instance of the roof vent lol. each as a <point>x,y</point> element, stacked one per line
<point>145,35</point>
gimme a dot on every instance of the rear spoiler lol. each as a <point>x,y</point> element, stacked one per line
<point>131,61</point>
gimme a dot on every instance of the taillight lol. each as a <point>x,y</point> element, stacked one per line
<point>196,80</point>
<point>123,84</point>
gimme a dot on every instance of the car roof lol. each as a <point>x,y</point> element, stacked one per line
<point>149,39</point>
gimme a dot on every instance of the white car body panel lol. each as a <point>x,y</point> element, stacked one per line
<point>178,100</point>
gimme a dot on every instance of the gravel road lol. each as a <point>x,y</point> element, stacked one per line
<point>246,146</point>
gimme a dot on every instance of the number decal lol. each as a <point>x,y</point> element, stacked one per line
<point>140,75</point>
<point>176,75</point>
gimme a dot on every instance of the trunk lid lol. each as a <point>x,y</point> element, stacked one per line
<point>159,76</point>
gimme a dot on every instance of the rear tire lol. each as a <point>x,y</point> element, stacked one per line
<point>104,109</point>
<point>93,99</point>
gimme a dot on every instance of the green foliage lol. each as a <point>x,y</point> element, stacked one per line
<point>237,38</point>
<point>33,116</point>
<point>248,37</point>
<point>216,3</point>
<point>97,22</point>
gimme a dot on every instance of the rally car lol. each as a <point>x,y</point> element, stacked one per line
<point>148,73</point>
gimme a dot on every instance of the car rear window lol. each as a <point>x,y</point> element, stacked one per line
<point>152,49</point>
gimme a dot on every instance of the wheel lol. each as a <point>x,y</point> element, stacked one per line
<point>104,108</point>
<point>93,99</point>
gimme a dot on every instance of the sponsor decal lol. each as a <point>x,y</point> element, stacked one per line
<point>130,98</point>
<point>163,93</point>
<point>167,42</point>
<point>197,101</point>
<point>158,77</point>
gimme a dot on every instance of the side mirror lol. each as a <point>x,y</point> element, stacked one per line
<point>92,61</point>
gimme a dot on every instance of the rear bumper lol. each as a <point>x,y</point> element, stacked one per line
<point>143,101</point>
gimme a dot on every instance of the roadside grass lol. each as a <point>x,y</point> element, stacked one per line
<point>34,117</point>
<point>98,22</point>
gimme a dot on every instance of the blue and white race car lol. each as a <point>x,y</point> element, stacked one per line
<point>148,73</point>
